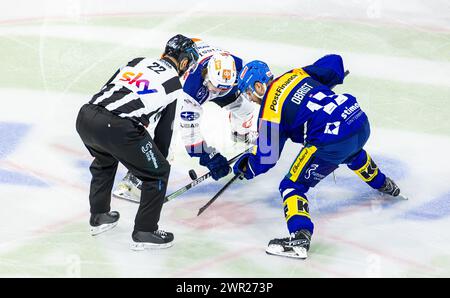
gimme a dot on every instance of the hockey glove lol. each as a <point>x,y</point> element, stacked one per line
<point>216,163</point>
<point>242,166</point>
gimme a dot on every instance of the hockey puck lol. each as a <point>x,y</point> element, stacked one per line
<point>193,174</point>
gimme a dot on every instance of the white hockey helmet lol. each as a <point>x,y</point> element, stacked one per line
<point>221,74</point>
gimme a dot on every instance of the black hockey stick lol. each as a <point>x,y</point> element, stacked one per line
<point>197,181</point>
<point>200,211</point>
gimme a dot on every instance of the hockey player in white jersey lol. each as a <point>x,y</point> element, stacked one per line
<point>113,127</point>
<point>212,80</point>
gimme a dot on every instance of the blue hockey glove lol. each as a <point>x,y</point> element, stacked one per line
<point>216,163</point>
<point>242,166</point>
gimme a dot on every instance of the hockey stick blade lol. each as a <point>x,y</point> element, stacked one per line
<point>197,181</point>
<point>201,210</point>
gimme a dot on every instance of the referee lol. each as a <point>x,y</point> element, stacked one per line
<point>113,127</point>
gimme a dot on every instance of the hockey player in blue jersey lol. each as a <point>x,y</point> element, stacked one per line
<point>212,80</point>
<point>300,106</point>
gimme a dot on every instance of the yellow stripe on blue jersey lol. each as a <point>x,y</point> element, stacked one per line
<point>300,162</point>
<point>278,92</point>
<point>254,149</point>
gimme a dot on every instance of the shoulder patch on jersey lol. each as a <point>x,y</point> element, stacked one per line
<point>202,94</point>
<point>278,92</point>
<point>172,85</point>
<point>134,62</point>
<point>194,87</point>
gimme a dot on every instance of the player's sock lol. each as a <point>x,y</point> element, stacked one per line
<point>102,222</point>
<point>295,246</point>
<point>151,240</point>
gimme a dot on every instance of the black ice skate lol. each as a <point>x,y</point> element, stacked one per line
<point>151,240</point>
<point>295,246</point>
<point>390,188</point>
<point>102,222</point>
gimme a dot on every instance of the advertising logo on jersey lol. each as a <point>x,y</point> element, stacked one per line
<point>280,90</point>
<point>134,79</point>
<point>202,94</point>
<point>189,116</point>
<point>350,110</point>
<point>332,128</point>
<point>311,168</point>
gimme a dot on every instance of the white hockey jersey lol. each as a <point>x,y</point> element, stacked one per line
<point>191,110</point>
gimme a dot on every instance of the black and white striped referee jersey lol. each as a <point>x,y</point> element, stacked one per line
<point>141,90</point>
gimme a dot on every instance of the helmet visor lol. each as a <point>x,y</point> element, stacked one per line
<point>217,91</point>
<point>247,94</point>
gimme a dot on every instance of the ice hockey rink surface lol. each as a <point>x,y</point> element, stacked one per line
<point>55,55</point>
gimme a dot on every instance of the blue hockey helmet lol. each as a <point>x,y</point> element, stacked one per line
<point>252,72</point>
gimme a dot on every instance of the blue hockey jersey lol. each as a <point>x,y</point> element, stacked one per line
<point>300,105</point>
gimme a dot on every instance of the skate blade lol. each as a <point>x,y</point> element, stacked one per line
<point>140,246</point>
<point>125,196</point>
<point>402,197</point>
<point>296,253</point>
<point>102,228</point>
<point>399,197</point>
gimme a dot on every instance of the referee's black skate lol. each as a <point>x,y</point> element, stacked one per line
<point>151,240</point>
<point>296,246</point>
<point>390,188</point>
<point>102,222</point>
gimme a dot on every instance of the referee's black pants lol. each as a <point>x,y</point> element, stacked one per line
<point>111,139</point>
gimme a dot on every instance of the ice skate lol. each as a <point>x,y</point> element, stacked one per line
<point>296,246</point>
<point>102,222</point>
<point>247,138</point>
<point>129,188</point>
<point>151,240</point>
<point>391,189</point>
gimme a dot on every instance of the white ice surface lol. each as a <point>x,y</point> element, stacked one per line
<point>357,232</point>
<point>44,230</point>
